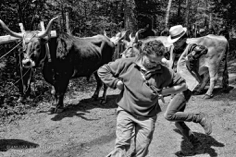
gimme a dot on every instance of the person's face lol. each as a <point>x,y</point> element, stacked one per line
<point>151,61</point>
<point>180,43</point>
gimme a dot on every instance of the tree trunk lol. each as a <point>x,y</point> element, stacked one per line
<point>168,14</point>
<point>210,21</point>
<point>188,6</point>
<point>206,12</point>
<point>68,24</point>
<point>129,15</point>
<point>179,7</point>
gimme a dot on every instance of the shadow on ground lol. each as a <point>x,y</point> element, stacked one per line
<point>219,93</point>
<point>6,144</point>
<point>84,106</point>
<point>77,149</point>
<point>223,95</point>
<point>207,143</point>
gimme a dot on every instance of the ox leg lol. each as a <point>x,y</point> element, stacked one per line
<point>203,84</point>
<point>24,84</point>
<point>213,73</point>
<point>60,90</point>
<point>99,86</point>
<point>104,96</point>
<point>225,80</point>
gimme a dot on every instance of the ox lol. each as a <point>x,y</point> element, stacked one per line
<point>65,57</point>
<point>209,63</point>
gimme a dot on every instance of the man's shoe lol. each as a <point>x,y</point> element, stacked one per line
<point>206,124</point>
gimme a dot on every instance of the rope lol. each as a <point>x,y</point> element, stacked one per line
<point>10,50</point>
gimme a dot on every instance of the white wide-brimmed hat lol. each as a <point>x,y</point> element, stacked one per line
<point>176,32</point>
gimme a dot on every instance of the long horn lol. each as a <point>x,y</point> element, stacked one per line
<point>130,37</point>
<point>48,29</point>
<point>105,34</point>
<point>136,36</point>
<point>14,34</point>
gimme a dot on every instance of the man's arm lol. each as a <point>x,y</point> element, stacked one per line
<point>174,89</point>
<point>109,73</point>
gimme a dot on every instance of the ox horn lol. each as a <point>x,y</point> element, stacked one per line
<point>48,29</point>
<point>12,33</point>
<point>105,33</point>
<point>130,37</point>
<point>136,36</point>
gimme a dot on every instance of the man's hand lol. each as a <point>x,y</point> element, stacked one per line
<point>120,85</point>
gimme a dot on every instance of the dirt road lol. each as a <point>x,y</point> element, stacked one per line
<point>87,129</point>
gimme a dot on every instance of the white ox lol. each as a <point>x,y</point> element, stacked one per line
<point>209,63</point>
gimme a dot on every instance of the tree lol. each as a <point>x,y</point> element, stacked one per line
<point>130,15</point>
<point>168,13</point>
<point>188,7</point>
<point>225,9</point>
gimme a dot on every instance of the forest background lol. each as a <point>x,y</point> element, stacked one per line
<point>90,17</point>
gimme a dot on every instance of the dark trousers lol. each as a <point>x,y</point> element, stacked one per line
<point>175,112</point>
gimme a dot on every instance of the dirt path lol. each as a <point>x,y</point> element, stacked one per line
<point>87,129</point>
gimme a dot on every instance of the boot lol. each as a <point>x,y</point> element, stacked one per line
<point>206,124</point>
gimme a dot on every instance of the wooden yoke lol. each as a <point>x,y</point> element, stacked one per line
<point>22,27</point>
<point>8,38</point>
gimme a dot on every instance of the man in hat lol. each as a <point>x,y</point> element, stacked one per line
<point>175,110</point>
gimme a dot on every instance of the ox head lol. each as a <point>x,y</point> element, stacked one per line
<point>131,46</point>
<point>117,38</point>
<point>117,42</point>
<point>32,43</point>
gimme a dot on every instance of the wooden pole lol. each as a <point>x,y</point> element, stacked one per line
<point>68,24</point>
<point>8,38</point>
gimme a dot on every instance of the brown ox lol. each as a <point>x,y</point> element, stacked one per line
<point>209,64</point>
<point>65,57</point>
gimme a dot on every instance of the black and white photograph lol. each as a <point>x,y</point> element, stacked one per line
<point>117,78</point>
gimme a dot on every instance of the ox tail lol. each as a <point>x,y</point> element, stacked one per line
<point>225,80</point>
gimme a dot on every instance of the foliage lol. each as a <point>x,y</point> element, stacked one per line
<point>87,18</point>
<point>226,10</point>
<point>147,10</point>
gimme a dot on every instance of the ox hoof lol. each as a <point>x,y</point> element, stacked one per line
<point>56,110</point>
<point>94,97</point>
<point>59,110</point>
<point>207,96</point>
<point>103,101</point>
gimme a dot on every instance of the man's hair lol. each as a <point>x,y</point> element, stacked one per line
<point>153,47</point>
